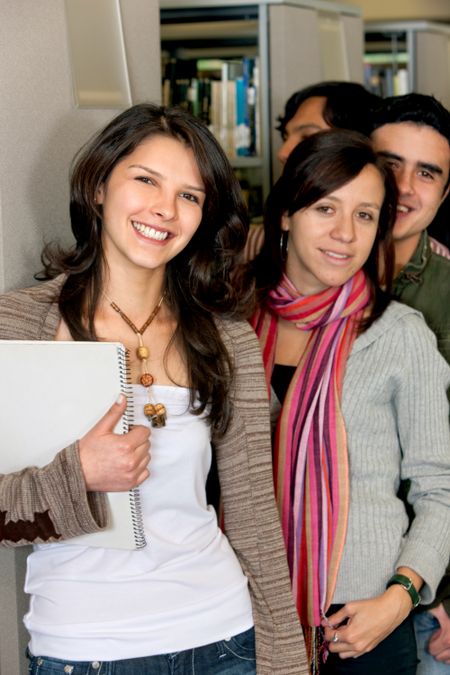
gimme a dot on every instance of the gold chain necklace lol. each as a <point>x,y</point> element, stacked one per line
<point>155,412</point>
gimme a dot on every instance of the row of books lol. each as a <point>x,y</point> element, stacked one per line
<point>224,94</point>
<point>385,80</point>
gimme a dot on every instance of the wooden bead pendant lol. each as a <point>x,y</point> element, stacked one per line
<point>146,379</point>
<point>155,412</point>
<point>142,353</point>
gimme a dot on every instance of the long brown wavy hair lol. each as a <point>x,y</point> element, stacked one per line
<point>198,285</point>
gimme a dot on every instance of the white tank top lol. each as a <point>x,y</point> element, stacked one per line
<point>183,590</point>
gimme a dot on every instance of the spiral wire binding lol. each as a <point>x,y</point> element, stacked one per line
<point>128,419</point>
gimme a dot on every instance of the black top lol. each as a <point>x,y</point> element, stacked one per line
<point>281,379</point>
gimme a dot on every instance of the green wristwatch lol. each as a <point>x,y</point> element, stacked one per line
<point>408,585</point>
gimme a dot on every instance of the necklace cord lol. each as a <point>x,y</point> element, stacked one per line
<point>155,412</point>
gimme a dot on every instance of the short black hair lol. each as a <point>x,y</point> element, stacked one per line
<point>348,105</point>
<point>418,108</point>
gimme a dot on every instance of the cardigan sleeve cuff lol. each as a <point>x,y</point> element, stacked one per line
<point>48,504</point>
<point>73,509</point>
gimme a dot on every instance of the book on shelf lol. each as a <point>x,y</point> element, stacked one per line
<point>227,101</point>
<point>242,135</point>
<point>251,77</point>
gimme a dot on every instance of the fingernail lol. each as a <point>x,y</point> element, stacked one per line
<point>119,399</point>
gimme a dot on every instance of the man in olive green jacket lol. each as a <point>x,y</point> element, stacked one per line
<point>424,283</point>
<point>412,133</point>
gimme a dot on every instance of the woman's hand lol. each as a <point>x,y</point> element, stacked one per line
<point>368,622</point>
<point>114,462</point>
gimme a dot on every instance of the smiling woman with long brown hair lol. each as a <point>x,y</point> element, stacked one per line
<point>158,221</point>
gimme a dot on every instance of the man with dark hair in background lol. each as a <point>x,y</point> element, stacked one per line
<point>325,105</point>
<point>412,133</point>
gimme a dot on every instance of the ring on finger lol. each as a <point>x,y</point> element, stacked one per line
<point>335,638</point>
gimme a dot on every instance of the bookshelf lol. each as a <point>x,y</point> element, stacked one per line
<point>405,56</point>
<point>286,46</point>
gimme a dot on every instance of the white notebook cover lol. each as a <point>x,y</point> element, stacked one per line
<point>51,394</point>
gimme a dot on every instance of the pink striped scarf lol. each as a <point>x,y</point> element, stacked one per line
<point>310,454</point>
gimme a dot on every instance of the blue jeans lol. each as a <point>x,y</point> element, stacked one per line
<point>235,656</point>
<point>425,624</point>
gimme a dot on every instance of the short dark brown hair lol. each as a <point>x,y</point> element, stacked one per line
<point>348,105</point>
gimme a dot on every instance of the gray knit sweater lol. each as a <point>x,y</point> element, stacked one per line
<point>56,496</point>
<point>396,415</point>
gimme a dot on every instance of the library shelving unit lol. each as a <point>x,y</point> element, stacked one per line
<point>405,56</point>
<point>273,48</point>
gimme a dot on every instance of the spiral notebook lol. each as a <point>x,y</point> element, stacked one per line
<point>51,394</point>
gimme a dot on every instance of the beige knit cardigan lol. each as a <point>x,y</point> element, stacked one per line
<point>51,503</point>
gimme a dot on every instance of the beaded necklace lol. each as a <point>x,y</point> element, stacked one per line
<point>155,412</point>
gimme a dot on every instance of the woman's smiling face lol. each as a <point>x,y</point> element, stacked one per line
<point>330,240</point>
<point>152,204</point>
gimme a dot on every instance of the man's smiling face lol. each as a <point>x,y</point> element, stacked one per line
<point>420,159</point>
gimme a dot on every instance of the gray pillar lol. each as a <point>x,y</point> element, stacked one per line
<point>13,604</point>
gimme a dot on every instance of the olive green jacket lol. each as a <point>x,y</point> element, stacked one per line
<point>424,283</point>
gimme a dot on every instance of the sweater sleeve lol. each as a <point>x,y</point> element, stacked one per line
<point>422,414</point>
<point>251,519</point>
<point>41,505</point>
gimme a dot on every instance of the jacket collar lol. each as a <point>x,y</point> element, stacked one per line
<point>412,271</point>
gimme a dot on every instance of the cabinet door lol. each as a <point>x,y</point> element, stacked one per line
<point>433,65</point>
<point>354,42</point>
<point>308,46</point>
<point>294,60</point>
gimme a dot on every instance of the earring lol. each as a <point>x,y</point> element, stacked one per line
<point>284,245</point>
